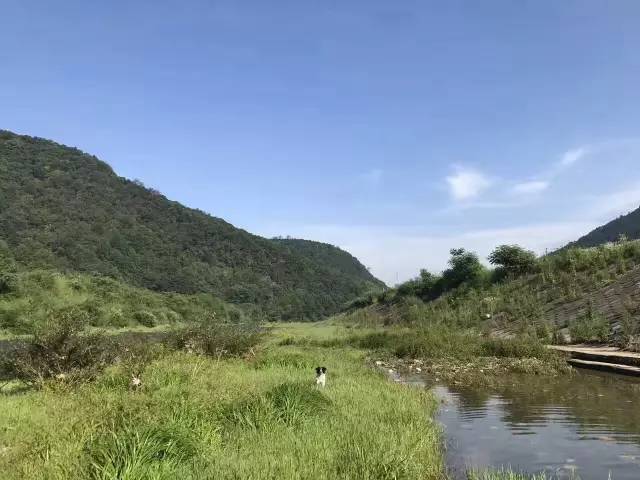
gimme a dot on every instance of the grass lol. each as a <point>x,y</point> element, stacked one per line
<point>198,417</point>
<point>465,355</point>
<point>507,475</point>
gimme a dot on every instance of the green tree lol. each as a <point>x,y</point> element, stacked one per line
<point>513,261</point>
<point>422,287</point>
<point>464,267</point>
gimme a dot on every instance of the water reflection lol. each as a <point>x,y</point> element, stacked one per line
<point>587,424</point>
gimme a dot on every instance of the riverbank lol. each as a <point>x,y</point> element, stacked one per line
<point>465,356</point>
<point>255,417</point>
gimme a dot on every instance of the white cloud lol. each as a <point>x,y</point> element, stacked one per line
<point>572,156</point>
<point>526,188</point>
<point>467,183</point>
<point>373,177</point>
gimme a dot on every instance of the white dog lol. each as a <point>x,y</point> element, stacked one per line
<point>321,376</point>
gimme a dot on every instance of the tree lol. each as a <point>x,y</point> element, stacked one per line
<point>422,287</point>
<point>464,267</point>
<point>513,260</point>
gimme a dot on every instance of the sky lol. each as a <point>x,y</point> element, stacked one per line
<point>395,130</point>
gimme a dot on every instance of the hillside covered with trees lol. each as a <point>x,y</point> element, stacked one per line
<point>627,226</point>
<point>65,210</point>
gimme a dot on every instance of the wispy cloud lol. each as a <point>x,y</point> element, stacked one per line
<point>373,177</point>
<point>467,183</point>
<point>528,188</point>
<point>572,156</point>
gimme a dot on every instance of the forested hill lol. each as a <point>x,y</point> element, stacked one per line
<point>61,208</point>
<point>627,225</point>
<point>329,256</point>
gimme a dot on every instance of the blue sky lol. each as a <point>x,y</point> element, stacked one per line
<point>396,130</point>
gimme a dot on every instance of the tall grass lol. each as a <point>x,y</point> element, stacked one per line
<point>198,417</point>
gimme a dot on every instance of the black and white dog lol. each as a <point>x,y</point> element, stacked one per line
<point>321,376</point>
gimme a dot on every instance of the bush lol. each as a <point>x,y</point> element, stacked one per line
<point>147,319</point>
<point>116,318</point>
<point>6,282</point>
<point>59,349</point>
<point>216,339</point>
<point>590,328</point>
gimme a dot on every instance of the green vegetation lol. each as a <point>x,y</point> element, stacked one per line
<point>34,298</point>
<point>83,250</point>
<point>259,416</point>
<point>624,227</point>
<point>545,299</point>
<point>65,210</point>
<point>592,327</point>
<point>463,355</point>
<point>507,475</point>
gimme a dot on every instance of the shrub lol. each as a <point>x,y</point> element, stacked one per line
<point>116,318</point>
<point>145,318</point>
<point>590,328</point>
<point>59,349</point>
<point>6,282</point>
<point>216,339</point>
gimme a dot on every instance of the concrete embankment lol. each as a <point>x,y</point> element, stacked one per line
<point>608,359</point>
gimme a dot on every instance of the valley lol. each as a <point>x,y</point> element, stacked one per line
<point>142,339</point>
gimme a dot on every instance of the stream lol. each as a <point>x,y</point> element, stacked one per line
<point>586,424</point>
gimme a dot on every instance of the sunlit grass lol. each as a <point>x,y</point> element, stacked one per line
<point>253,418</point>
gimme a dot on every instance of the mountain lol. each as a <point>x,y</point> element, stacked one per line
<point>64,209</point>
<point>328,255</point>
<point>627,225</point>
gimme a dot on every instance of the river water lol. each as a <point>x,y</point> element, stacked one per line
<point>586,424</point>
